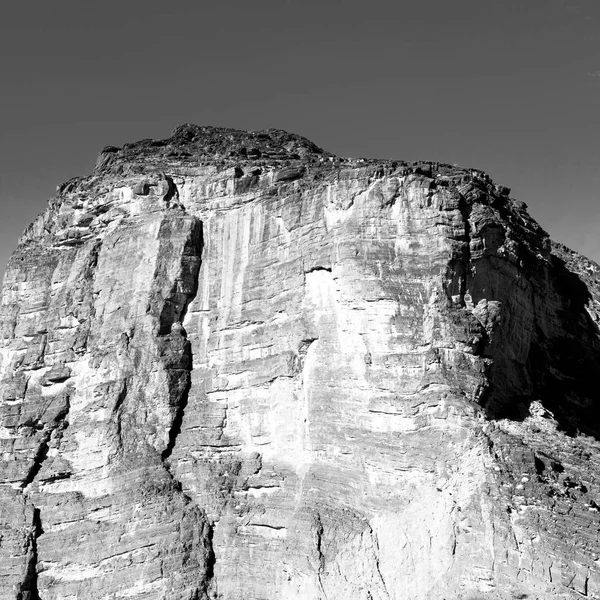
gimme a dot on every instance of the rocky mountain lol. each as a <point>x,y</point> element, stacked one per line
<point>235,366</point>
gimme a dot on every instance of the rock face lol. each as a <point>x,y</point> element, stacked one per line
<point>235,366</point>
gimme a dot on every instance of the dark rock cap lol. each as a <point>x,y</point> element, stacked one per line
<point>194,143</point>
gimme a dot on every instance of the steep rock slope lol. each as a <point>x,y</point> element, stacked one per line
<point>236,366</point>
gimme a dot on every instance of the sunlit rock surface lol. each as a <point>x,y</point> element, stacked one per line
<point>235,366</point>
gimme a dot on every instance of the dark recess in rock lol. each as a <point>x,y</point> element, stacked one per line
<point>28,588</point>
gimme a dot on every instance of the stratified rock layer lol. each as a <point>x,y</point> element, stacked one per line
<point>235,366</point>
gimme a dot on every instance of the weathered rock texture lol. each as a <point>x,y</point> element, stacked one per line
<point>235,367</point>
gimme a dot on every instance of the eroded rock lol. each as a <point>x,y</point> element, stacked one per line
<point>235,366</point>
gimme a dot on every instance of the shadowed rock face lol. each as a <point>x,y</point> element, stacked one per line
<point>235,366</point>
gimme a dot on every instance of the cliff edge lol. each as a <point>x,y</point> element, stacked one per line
<point>235,366</point>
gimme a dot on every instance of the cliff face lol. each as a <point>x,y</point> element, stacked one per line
<point>235,366</point>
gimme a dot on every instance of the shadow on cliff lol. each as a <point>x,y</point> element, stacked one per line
<point>562,368</point>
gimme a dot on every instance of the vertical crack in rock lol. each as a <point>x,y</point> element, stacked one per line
<point>179,382</point>
<point>28,589</point>
<point>459,265</point>
<point>85,309</point>
<point>38,461</point>
<point>117,411</point>
<point>58,425</point>
<point>176,355</point>
<point>183,290</point>
<point>174,347</point>
<point>318,525</point>
<point>156,392</point>
<point>209,576</point>
<point>465,210</point>
<point>376,556</point>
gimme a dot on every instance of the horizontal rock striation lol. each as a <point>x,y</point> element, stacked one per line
<point>235,366</point>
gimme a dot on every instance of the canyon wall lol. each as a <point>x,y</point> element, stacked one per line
<point>237,367</point>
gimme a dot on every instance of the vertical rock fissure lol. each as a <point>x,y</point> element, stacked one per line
<point>459,265</point>
<point>117,413</point>
<point>28,590</point>
<point>465,210</point>
<point>178,337</point>
<point>319,547</point>
<point>38,461</point>
<point>176,355</point>
<point>376,557</point>
<point>60,423</point>
<point>173,307</point>
<point>210,562</point>
<point>85,320</point>
<point>182,401</point>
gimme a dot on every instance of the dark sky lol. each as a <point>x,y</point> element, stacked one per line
<point>508,86</point>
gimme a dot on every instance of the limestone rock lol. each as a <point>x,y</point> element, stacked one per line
<point>234,366</point>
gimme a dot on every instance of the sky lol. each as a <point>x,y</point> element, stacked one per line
<point>511,87</point>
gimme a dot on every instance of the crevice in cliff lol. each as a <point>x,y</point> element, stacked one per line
<point>319,531</point>
<point>28,589</point>
<point>172,191</point>
<point>117,413</point>
<point>458,272</point>
<point>210,562</point>
<point>175,350</point>
<point>38,461</point>
<point>173,307</point>
<point>88,277</point>
<point>181,394</point>
<point>180,383</point>
<point>376,552</point>
<point>176,356</point>
<point>60,423</point>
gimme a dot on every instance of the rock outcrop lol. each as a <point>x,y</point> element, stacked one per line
<point>235,366</point>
